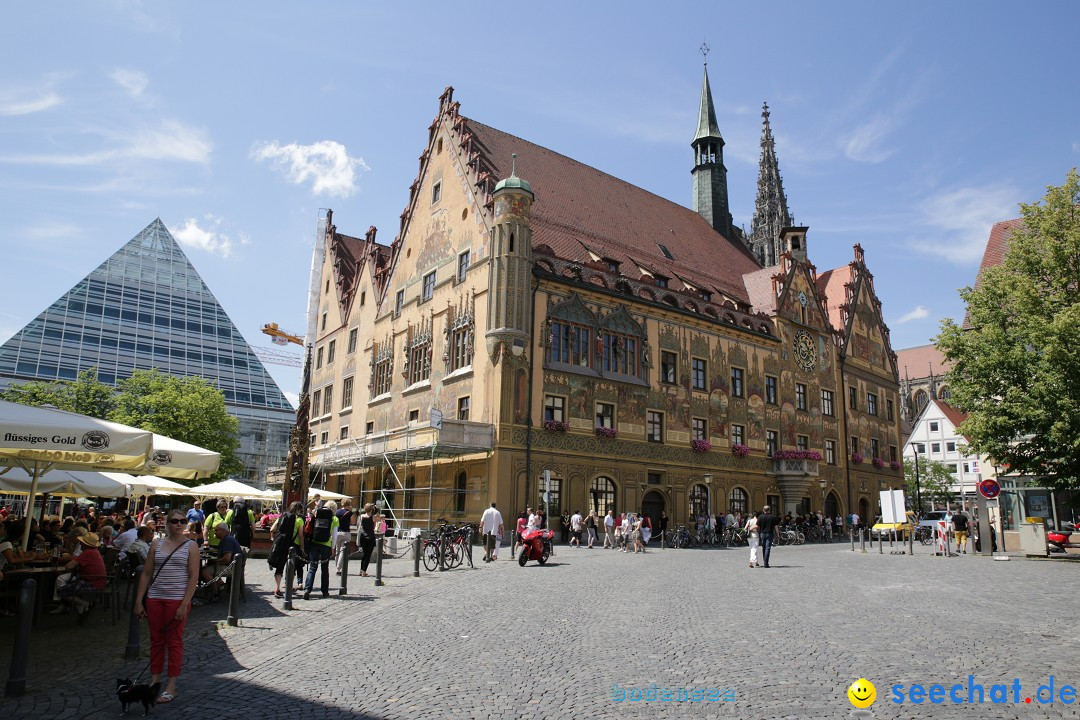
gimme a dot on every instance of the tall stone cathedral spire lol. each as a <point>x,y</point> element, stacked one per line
<point>771,213</point>
<point>709,174</point>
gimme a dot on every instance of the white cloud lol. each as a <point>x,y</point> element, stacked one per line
<point>292,397</point>
<point>134,82</point>
<point>208,239</point>
<point>864,143</point>
<point>171,140</point>
<point>326,164</point>
<point>958,222</point>
<point>918,313</point>
<point>27,100</point>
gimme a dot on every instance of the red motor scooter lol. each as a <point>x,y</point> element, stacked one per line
<point>1058,540</point>
<point>535,545</point>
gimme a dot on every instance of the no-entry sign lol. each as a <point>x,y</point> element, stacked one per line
<point>989,489</point>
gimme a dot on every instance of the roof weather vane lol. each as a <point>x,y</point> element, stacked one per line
<point>513,164</point>
<point>704,49</point>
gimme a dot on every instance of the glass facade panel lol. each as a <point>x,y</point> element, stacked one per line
<point>147,307</point>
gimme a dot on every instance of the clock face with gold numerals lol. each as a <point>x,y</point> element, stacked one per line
<point>805,350</point>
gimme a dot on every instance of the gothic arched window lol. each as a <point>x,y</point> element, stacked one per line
<point>620,343</point>
<point>699,501</point>
<point>570,330</point>
<point>944,394</point>
<point>921,401</point>
<point>740,501</point>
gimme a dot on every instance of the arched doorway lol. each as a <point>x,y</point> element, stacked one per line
<point>832,505</point>
<point>652,505</point>
<point>864,511</point>
<point>602,495</point>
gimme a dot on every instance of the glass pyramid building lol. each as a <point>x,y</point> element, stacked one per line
<point>146,307</point>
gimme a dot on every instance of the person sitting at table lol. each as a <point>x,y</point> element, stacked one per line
<point>194,532</point>
<point>50,530</point>
<point>91,576</point>
<point>228,548</point>
<point>125,538</point>
<point>106,535</point>
<point>9,554</point>
<point>137,550</point>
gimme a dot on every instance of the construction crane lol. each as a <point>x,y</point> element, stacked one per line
<point>273,356</point>
<point>281,337</point>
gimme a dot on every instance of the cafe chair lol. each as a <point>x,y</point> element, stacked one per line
<point>110,594</point>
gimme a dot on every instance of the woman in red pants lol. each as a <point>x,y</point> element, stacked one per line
<point>166,585</point>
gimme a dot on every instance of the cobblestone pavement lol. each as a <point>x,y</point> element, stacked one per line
<point>553,642</point>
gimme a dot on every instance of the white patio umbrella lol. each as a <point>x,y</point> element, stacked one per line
<point>324,494</point>
<point>40,440</point>
<point>226,488</point>
<point>174,459</point>
<point>65,483</point>
<point>149,485</point>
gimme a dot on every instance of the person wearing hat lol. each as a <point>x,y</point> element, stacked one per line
<point>86,574</point>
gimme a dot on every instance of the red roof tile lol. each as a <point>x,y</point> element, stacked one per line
<point>831,283</point>
<point>920,361</point>
<point>579,205</point>
<point>996,247</point>
<point>955,416</point>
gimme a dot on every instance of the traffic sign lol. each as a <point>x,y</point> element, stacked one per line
<point>989,489</point>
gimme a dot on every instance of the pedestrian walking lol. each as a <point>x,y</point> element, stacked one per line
<point>960,531</point>
<point>166,585</point>
<point>491,524</point>
<point>766,522</point>
<point>323,525</point>
<point>590,525</point>
<point>575,529</point>
<point>609,530</point>
<point>751,529</point>
<point>286,533</point>
<point>341,538</point>
<point>365,536</point>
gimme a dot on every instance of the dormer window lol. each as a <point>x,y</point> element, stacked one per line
<point>612,265</point>
<point>706,296</point>
<point>661,281</point>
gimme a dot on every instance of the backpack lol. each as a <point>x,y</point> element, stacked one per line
<point>241,525</point>
<point>279,551</point>
<point>321,524</point>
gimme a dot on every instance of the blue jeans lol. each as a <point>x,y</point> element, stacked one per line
<point>318,556</point>
<point>766,546</point>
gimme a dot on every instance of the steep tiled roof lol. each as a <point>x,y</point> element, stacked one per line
<point>579,209</point>
<point>831,284</point>
<point>996,247</point>
<point>919,362</point>
<point>955,416</point>
<point>759,288</point>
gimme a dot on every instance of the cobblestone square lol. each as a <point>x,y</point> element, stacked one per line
<point>562,641</point>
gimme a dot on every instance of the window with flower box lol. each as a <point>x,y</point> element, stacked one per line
<point>698,429</point>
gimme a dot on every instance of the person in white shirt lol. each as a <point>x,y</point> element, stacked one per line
<point>609,530</point>
<point>121,541</point>
<point>534,521</point>
<point>491,524</point>
<point>729,519</point>
<point>575,529</point>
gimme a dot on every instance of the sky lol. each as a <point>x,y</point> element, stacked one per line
<point>909,128</point>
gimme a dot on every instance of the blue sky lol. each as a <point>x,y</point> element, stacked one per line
<point>909,128</point>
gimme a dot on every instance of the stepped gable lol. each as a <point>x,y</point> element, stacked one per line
<point>581,212</point>
<point>348,257</point>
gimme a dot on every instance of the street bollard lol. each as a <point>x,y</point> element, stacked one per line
<point>131,652</point>
<point>235,579</point>
<point>880,543</point>
<point>468,549</point>
<point>378,561</point>
<point>416,557</point>
<point>911,542</point>
<point>442,552</point>
<point>343,588</point>
<point>862,539</point>
<point>290,578</point>
<point>20,650</point>
<point>851,534</point>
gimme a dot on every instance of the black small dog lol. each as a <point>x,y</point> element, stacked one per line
<point>129,693</point>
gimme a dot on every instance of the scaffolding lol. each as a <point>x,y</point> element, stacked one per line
<point>412,446</point>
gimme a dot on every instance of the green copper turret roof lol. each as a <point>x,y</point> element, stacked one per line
<point>513,182</point>
<point>706,127</point>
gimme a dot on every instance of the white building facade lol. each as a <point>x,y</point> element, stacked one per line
<point>934,437</point>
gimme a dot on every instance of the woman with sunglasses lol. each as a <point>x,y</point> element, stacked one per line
<point>166,585</point>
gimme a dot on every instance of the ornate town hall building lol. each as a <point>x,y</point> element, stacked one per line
<point>540,326</point>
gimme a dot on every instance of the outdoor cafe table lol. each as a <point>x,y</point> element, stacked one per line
<point>45,576</point>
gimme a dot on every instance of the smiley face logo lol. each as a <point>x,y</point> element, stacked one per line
<point>862,693</point>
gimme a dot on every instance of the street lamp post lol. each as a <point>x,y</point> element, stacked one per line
<point>918,490</point>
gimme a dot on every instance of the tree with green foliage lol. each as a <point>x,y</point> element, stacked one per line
<point>1016,371</point>
<point>189,409</point>
<point>934,481</point>
<point>86,395</point>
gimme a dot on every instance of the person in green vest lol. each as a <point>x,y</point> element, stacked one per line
<point>210,538</point>
<point>324,525</point>
<point>242,521</point>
